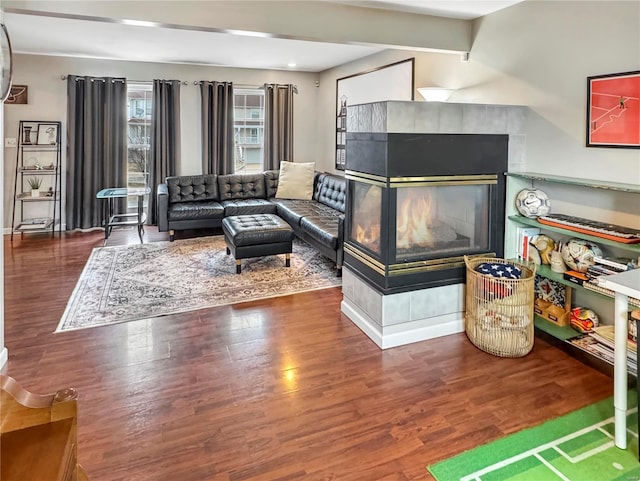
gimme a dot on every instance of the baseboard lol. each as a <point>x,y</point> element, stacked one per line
<point>63,227</point>
<point>4,357</point>
<point>406,333</point>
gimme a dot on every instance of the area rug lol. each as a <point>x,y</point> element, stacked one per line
<point>126,283</point>
<point>575,447</point>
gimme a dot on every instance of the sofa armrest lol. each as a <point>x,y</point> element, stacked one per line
<point>162,206</point>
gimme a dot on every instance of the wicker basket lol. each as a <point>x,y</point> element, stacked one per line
<point>499,312</point>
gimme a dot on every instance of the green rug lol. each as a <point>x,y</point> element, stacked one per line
<point>576,447</point>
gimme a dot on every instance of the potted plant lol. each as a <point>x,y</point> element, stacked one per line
<point>35,183</point>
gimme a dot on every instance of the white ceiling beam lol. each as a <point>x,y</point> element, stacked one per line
<point>319,21</point>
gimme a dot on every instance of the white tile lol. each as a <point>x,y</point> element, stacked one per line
<point>367,299</point>
<point>516,120</point>
<point>497,119</point>
<point>364,118</point>
<point>450,118</point>
<point>400,117</point>
<point>352,119</point>
<point>347,283</point>
<point>396,308</point>
<point>474,119</point>
<point>427,117</point>
<point>436,301</point>
<point>379,117</point>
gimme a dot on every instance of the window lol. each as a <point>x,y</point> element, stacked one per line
<point>248,130</point>
<point>139,109</point>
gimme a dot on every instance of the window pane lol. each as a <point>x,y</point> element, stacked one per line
<point>139,109</point>
<point>249,130</point>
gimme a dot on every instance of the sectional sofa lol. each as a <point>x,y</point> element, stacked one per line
<point>202,201</point>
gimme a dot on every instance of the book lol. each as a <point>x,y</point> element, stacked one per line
<point>523,237</point>
<point>591,345</point>
<point>600,270</point>
<point>618,263</point>
<point>606,335</point>
<point>34,224</point>
<point>575,276</point>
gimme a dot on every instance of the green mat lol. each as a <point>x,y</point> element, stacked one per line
<point>575,447</point>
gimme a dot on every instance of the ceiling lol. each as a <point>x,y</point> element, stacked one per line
<point>66,35</point>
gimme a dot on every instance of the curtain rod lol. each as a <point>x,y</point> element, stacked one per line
<point>64,77</point>
<point>295,87</point>
<point>200,82</point>
<point>184,82</point>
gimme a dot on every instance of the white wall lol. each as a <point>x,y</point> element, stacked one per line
<point>48,101</point>
<point>539,54</point>
<point>534,53</point>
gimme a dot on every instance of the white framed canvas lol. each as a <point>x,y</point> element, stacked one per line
<point>389,82</point>
<point>47,134</point>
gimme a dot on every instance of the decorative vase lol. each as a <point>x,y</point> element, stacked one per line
<point>26,135</point>
<point>35,192</point>
<point>557,264</point>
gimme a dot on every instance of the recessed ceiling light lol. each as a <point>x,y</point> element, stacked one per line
<point>291,64</point>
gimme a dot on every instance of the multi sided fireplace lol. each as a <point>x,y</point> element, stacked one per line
<point>418,203</point>
<point>426,187</point>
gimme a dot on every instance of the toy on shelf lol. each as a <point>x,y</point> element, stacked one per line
<point>578,254</point>
<point>532,203</point>
<point>583,320</point>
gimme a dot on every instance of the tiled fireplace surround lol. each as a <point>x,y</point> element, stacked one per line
<point>397,319</point>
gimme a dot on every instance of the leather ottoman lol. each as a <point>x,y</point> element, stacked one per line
<point>257,235</point>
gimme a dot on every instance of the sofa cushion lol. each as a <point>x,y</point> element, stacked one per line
<point>296,180</point>
<point>241,186</point>
<point>186,188</point>
<point>206,209</point>
<point>271,182</point>
<point>322,228</point>
<point>293,210</point>
<point>248,207</point>
<point>331,190</point>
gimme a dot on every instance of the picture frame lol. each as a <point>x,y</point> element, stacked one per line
<point>47,134</point>
<point>613,110</point>
<point>19,94</point>
<point>552,300</point>
<point>394,81</point>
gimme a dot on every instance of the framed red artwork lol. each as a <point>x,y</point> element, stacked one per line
<point>613,110</point>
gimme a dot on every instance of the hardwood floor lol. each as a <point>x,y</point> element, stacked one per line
<point>280,389</point>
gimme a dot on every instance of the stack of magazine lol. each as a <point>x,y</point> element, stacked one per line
<point>600,343</point>
<point>606,266</point>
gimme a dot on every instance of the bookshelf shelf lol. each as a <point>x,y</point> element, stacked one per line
<point>37,161</point>
<point>589,291</point>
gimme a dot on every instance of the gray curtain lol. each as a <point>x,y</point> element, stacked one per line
<point>217,127</point>
<point>97,145</point>
<point>165,138</point>
<point>278,124</point>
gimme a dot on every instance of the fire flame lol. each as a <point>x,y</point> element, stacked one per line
<point>418,225</point>
<point>415,220</point>
<point>369,236</point>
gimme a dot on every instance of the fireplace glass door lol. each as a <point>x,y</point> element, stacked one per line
<point>441,221</point>
<point>366,216</point>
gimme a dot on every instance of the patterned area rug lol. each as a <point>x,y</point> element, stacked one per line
<point>126,283</point>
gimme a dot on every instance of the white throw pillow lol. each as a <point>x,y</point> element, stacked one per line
<point>295,180</point>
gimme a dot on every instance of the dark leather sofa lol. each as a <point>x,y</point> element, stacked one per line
<point>202,201</point>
